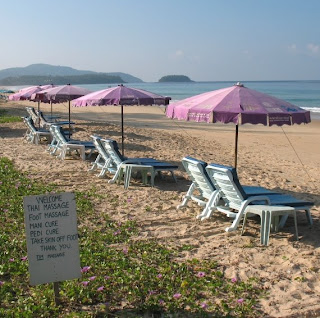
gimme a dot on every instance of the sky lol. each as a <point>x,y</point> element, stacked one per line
<point>207,40</point>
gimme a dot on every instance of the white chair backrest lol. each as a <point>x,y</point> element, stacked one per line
<point>31,111</point>
<point>29,123</point>
<point>197,173</point>
<point>57,134</point>
<point>230,189</point>
<point>113,152</point>
<point>43,121</point>
<point>97,141</point>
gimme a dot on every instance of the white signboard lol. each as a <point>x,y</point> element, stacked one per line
<point>52,237</point>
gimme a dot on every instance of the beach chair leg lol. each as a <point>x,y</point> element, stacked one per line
<point>283,221</point>
<point>296,224</point>
<point>127,176</point>
<point>115,177</point>
<point>94,166</point>
<point>309,217</point>
<point>187,197</point>
<point>210,206</point>
<point>174,177</point>
<point>153,173</point>
<point>265,227</point>
<point>244,223</point>
<point>102,173</point>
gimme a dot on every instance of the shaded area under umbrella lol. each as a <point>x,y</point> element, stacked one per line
<point>123,96</point>
<point>239,105</point>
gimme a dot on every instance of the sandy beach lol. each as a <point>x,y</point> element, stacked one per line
<point>285,159</point>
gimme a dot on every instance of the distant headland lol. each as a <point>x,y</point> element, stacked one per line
<point>35,74</point>
<point>174,79</point>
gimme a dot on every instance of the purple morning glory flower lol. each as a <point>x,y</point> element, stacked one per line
<point>85,269</point>
<point>201,274</point>
<point>204,305</point>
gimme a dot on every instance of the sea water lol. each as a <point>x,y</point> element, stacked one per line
<point>305,94</point>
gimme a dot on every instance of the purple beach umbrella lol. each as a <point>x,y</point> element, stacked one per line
<point>123,96</point>
<point>239,105</point>
<point>65,93</point>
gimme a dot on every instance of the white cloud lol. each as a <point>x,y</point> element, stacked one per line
<point>313,48</point>
<point>292,48</point>
<point>179,53</point>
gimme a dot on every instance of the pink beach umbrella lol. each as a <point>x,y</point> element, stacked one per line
<point>122,96</point>
<point>26,93</point>
<point>66,93</point>
<point>16,96</point>
<point>239,105</point>
<point>41,96</point>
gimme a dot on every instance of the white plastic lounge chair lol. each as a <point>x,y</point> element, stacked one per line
<point>118,162</point>
<point>202,184</point>
<point>103,161</point>
<point>61,143</point>
<point>35,135</point>
<point>44,123</point>
<point>228,186</point>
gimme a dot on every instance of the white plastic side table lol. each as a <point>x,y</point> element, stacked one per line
<point>129,168</point>
<point>80,148</point>
<point>269,219</point>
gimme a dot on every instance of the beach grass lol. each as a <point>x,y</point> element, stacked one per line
<point>5,118</point>
<point>122,276</point>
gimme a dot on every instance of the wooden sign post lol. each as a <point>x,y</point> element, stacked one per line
<point>52,238</point>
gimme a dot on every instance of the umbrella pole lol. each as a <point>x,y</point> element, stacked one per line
<point>51,108</point>
<point>38,113</point>
<point>122,135</point>
<point>236,147</point>
<point>69,120</point>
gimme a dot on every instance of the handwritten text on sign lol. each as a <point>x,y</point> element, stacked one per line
<point>52,237</point>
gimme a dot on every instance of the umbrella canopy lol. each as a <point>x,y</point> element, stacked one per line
<point>65,93</point>
<point>121,95</point>
<point>40,96</point>
<point>26,93</point>
<point>238,105</point>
